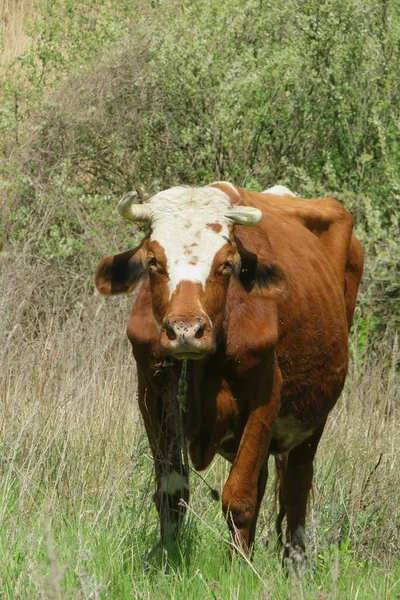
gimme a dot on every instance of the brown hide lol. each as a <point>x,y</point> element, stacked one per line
<point>312,345</point>
<point>279,366</point>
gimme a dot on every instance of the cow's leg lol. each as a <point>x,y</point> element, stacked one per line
<point>245,486</point>
<point>280,466</point>
<point>261,485</point>
<point>162,420</point>
<point>296,485</point>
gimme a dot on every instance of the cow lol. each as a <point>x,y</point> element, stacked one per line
<point>240,331</point>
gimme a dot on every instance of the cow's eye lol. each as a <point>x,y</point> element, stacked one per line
<point>228,267</point>
<point>152,263</point>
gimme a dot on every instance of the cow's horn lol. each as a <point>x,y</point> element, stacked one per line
<point>131,211</point>
<point>244,215</point>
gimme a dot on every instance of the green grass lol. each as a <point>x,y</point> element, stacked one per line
<point>63,551</point>
<point>76,481</point>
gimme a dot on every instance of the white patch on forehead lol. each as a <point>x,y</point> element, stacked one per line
<point>280,190</point>
<point>190,224</point>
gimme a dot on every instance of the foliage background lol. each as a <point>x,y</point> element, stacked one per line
<point>119,95</point>
<point>97,98</point>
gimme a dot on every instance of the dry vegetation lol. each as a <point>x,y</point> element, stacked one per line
<point>76,475</point>
<point>14,40</point>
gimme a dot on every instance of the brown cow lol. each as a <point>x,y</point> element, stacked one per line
<point>261,317</point>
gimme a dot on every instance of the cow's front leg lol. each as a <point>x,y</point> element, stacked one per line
<point>162,419</point>
<point>245,487</point>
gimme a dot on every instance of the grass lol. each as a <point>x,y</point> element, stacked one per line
<point>76,472</point>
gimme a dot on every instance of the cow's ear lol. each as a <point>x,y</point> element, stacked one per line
<point>120,274</point>
<point>266,280</point>
<point>260,277</point>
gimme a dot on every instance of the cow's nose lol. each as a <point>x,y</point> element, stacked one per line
<point>184,332</point>
<point>186,336</point>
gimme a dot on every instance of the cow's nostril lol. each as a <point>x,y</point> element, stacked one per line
<point>199,331</point>
<point>170,331</point>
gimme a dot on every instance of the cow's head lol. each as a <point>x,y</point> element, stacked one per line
<point>189,255</point>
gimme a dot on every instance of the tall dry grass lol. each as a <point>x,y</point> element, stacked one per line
<point>67,388</point>
<point>14,15</point>
<point>76,472</point>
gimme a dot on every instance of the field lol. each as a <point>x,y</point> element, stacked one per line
<point>94,103</point>
<point>76,473</point>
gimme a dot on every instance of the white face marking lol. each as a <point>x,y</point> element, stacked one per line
<point>280,190</point>
<point>174,482</point>
<point>182,220</point>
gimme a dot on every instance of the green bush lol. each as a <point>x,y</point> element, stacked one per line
<point>303,93</point>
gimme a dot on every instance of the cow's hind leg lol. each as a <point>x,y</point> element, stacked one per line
<point>280,467</point>
<point>296,485</point>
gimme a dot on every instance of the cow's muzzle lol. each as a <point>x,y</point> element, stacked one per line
<point>187,337</point>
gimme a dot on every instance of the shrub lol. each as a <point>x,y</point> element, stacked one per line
<point>256,93</point>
